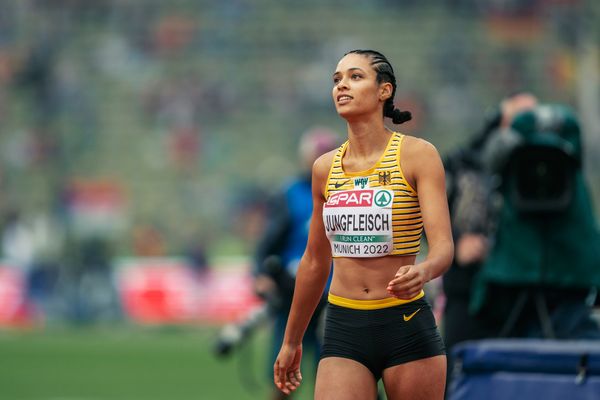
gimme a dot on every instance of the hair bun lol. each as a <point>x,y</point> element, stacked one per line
<point>399,117</point>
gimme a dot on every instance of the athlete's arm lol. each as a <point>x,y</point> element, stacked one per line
<point>424,169</point>
<point>311,279</point>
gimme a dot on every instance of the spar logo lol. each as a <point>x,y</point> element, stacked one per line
<point>360,198</point>
<point>351,198</point>
<point>383,198</point>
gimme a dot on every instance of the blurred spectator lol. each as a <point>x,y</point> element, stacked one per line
<point>173,33</point>
<point>37,75</point>
<point>196,254</point>
<point>247,220</point>
<point>283,243</point>
<point>35,245</point>
<point>6,76</point>
<point>184,148</point>
<point>95,296</point>
<point>17,242</point>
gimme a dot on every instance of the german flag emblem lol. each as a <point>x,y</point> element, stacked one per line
<point>385,178</point>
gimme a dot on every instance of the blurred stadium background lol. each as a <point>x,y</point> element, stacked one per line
<point>139,139</point>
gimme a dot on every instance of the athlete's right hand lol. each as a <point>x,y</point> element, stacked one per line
<point>286,371</point>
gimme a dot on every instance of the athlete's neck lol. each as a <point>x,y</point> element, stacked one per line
<point>367,138</point>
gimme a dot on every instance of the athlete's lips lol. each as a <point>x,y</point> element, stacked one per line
<point>344,98</point>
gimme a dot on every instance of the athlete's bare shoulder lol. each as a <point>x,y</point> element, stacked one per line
<point>417,147</point>
<point>321,169</point>
<point>322,165</point>
<point>419,157</point>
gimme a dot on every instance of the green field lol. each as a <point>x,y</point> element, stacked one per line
<point>130,364</point>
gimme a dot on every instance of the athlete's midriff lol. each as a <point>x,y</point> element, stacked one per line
<point>366,278</point>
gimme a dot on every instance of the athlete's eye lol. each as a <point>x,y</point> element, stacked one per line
<point>336,80</point>
<point>356,76</point>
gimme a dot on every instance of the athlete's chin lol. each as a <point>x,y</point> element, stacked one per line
<point>347,114</point>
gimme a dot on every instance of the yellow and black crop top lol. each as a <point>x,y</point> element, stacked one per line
<point>372,213</point>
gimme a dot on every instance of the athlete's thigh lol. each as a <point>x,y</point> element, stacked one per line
<point>423,379</point>
<point>343,378</point>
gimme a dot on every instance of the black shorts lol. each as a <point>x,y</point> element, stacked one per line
<point>384,337</point>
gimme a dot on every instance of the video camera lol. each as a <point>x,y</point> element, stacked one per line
<point>536,159</point>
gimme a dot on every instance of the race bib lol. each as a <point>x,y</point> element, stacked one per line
<point>358,223</point>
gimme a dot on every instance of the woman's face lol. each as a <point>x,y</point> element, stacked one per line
<point>355,89</point>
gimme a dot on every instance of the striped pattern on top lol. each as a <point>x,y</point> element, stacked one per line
<point>386,173</point>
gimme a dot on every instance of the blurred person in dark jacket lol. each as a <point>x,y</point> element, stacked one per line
<point>283,243</point>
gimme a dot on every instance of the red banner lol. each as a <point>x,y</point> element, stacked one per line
<point>162,290</point>
<point>15,310</point>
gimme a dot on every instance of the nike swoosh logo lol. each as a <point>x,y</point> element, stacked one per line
<point>409,317</point>
<point>339,185</point>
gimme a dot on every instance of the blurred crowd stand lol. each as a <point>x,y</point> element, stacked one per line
<point>187,107</point>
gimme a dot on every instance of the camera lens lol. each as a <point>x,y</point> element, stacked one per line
<point>542,179</point>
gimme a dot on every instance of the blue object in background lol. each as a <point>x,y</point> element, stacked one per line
<point>517,369</point>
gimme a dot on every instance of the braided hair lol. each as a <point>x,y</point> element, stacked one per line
<point>385,73</point>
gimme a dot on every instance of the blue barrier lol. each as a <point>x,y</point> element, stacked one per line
<point>498,369</point>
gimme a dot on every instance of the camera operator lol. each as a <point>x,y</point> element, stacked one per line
<point>527,242</point>
<point>470,190</point>
<point>542,272</point>
<point>283,244</point>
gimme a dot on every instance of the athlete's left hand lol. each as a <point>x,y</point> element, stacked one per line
<point>408,282</point>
